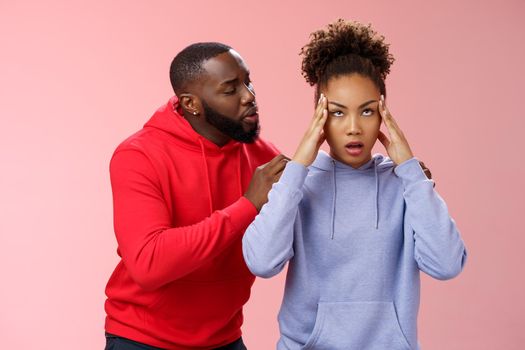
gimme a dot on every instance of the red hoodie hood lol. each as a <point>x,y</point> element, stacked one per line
<point>169,118</point>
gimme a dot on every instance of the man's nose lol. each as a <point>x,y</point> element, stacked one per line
<point>248,96</point>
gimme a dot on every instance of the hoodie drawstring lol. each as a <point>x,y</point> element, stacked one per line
<point>207,175</point>
<point>376,198</point>
<point>376,204</point>
<point>332,228</point>
<point>239,172</point>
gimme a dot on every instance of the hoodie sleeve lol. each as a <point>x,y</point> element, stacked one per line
<point>268,242</point>
<point>155,252</point>
<point>439,249</point>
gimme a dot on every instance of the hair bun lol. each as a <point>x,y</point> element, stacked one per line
<point>343,38</point>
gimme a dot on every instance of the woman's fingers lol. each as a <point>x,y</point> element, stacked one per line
<point>320,117</point>
<point>397,147</point>
<point>319,107</point>
<point>317,112</point>
<point>383,139</point>
<point>314,136</point>
<point>385,114</point>
<point>322,138</point>
<point>320,110</point>
<point>322,120</point>
<point>393,128</point>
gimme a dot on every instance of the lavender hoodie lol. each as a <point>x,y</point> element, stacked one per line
<point>356,241</point>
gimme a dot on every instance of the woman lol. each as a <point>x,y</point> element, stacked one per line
<point>356,229</point>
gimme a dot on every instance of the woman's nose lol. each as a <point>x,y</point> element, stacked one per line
<point>353,126</point>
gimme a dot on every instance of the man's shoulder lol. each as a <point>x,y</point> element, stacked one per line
<point>140,140</point>
<point>262,147</point>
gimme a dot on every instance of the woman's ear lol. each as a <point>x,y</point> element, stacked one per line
<point>190,104</point>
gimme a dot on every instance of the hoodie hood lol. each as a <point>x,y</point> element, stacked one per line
<point>325,162</point>
<point>169,118</point>
<point>378,163</point>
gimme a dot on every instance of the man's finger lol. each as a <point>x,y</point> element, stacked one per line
<point>277,176</point>
<point>427,173</point>
<point>275,159</point>
<point>279,167</point>
<point>277,163</point>
<point>426,170</point>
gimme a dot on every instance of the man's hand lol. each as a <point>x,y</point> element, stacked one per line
<point>425,170</point>
<point>263,179</point>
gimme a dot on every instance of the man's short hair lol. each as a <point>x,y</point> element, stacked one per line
<point>186,67</point>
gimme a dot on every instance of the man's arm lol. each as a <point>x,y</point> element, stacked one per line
<point>152,249</point>
<point>154,252</point>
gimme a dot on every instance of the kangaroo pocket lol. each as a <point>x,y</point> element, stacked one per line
<point>370,325</point>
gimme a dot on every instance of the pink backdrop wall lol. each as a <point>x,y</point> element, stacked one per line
<point>77,77</point>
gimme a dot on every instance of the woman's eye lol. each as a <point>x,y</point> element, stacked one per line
<point>368,112</point>
<point>336,113</point>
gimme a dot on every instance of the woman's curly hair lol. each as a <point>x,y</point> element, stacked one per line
<point>345,47</point>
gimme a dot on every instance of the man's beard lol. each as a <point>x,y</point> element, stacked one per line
<point>227,126</point>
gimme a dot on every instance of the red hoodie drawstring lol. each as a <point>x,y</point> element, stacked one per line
<point>239,172</point>
<point>207,175</point>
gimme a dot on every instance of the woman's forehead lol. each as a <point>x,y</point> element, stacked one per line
<point>350,90</point>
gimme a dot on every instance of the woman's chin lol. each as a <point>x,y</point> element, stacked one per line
<point>352,158</point>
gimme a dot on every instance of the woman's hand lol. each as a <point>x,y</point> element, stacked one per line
<point>314,136</point>
<point>397,146</point>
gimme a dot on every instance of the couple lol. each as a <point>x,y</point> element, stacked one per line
<point>202,204</point>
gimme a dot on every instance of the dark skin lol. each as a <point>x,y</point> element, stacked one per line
<point>226,87</point>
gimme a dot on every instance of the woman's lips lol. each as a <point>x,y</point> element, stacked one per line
<point>354,148</point>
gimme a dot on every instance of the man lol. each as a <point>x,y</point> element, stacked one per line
<point>185,188</point>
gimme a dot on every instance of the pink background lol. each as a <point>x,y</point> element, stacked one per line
<point>77,77</point>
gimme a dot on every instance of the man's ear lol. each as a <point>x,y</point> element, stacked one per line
<point>190,103</point>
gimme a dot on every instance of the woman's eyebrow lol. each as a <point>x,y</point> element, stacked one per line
<point>343,106</point>
<point>337,104</point>
<point>367,103</point>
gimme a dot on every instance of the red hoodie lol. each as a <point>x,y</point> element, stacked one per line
<point>179,216</point>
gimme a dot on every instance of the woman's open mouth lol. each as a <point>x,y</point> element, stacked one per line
<point>354,148</point>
